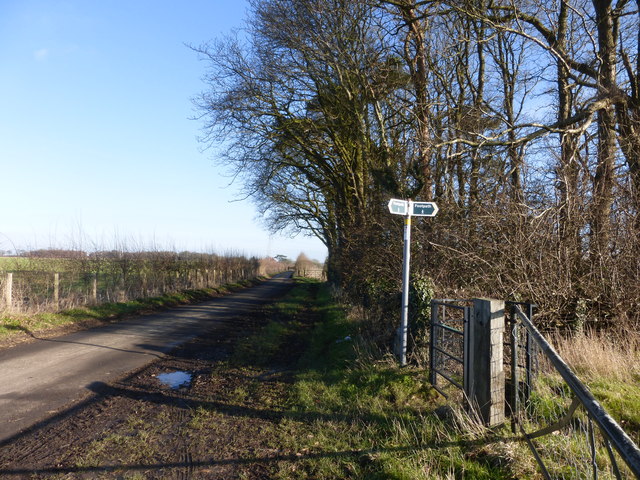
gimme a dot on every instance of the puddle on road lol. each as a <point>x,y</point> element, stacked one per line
<point>175,380</point>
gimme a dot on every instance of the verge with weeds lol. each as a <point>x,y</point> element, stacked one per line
<point>355,417</point>
<point>609,365</point>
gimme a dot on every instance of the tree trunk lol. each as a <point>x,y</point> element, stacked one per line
<point>604,176</point>
<point>420,79</point>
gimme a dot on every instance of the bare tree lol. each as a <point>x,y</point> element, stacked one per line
<point>303,109</point>
<point>519,117</point>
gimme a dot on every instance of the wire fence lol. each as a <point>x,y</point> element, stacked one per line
<point>28,286</point>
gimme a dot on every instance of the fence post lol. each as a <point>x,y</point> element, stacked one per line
<point>432,343</point>
<point>485,389</point>
<point>515,371</point>
<point>94,288</point>
<point>531,358</point>
<point>8,291</point>
<point>56,290</point>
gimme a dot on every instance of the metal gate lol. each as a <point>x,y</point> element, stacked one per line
<point>449,344</point>
<point>567,430</point>
<point>576,427</point>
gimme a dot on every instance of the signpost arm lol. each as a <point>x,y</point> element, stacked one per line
<point>404,321</point>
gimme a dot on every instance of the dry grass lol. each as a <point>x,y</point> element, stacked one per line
<point>602,355</point>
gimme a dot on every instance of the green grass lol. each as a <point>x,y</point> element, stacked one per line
<point>14,264</point>
<point>566,452</point>
<point>135,443</point>
<point>271,341</point>
<point>354,417</point>
<point>359,417</point>
<point>622,401</point>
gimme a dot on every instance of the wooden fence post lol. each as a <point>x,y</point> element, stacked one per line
<point>122,290</point>
<point>94,288</point>
<point>8,291</point>
<point>484,385</point>
<point>56,290</point>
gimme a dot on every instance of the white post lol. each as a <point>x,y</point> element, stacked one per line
<point>404,318</point>
<point>408,208</point>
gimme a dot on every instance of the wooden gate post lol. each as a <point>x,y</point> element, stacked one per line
<point>484,379</point>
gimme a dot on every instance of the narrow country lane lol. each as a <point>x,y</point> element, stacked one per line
<point>42,377</point>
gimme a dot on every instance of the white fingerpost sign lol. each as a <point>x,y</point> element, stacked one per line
<point>398,207</point>
<point>409,209</point>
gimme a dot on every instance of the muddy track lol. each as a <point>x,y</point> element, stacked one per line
<point>221,426</point>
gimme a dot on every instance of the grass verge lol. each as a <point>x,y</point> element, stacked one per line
<point>350,417</point>
<point>354,416</point>
<point>610,367</point>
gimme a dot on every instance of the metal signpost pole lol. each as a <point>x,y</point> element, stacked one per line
<point>404,320</point>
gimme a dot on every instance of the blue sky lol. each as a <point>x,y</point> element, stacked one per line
<point>97,147</point>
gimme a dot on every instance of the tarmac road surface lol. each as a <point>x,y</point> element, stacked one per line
<point>40,378</point>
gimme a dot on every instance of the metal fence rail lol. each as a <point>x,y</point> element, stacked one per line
<point>597,448</point>
<point>569,433</point>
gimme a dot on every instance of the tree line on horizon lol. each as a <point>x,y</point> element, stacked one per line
<point>520,118</point>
